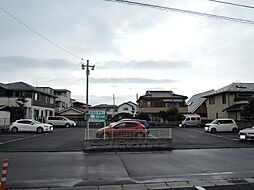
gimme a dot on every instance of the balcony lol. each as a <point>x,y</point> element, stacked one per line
<point>12,102</point>
<point>158,109</point>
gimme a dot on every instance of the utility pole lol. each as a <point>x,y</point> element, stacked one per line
<point>83,67</point>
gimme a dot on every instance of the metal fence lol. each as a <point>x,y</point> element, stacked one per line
<point>157,133</point>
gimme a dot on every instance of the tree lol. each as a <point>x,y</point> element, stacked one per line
<point>248,111</point>
<point>122,116</point>
<point>19,112</point>
<point>143,116</point>
<point>171,114</point>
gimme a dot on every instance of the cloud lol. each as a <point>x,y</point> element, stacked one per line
<point>12,63</point>
<point>130,80</point>
<point>148,64</point>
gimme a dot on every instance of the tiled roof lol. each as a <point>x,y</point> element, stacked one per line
<point>197,100</point>
<point>22,87</point>
<point>234,87</point>
<point>161,94</point>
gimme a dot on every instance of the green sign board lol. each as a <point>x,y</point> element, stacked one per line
<point>97,116</point>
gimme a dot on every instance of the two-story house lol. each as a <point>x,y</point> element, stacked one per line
<point>37,104</point>
<point>155,101</point>
<point>110,110</point>
<point>229,101</point>
<point>197,104</point>
<point>63,97</point>
<point>128,107</point>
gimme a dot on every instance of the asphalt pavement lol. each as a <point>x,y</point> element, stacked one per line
<point>56,160</point>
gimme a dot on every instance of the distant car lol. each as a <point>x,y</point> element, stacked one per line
<point>221,125</point>
<point>191,120</point>
<point>60,121</point>
<point>30,125</point>
<point>142,121</point>
<point>246,134</point>
<point>122,129</point>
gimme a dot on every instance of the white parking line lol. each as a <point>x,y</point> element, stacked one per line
<point>23,138</point>
<point>199,188</point>
<point>19,139</point>
<point>213,135</point>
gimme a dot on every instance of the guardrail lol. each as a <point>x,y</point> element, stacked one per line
<point>127,140</point>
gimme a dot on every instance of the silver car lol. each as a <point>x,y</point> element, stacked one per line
<point>60,121</point>
<point>246,134</point>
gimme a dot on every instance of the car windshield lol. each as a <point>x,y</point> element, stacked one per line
<point>36,122</point>
<point>215,121</point>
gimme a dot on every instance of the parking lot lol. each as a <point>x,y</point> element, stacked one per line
<point>71,139</point>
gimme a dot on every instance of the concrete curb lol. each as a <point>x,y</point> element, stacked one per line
<point>157,186</point>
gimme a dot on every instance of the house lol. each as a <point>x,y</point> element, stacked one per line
<point>197,104</point>
<point>63,97</point>
<point>35,103</point>
<point>128,107</point>
<point>110,110</point>
<point>155,101</point>
<point>229,101</point>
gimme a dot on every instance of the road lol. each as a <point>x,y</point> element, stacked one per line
<point>56,160</point>
<point>68,169</point>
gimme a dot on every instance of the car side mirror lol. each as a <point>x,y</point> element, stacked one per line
<point>32,123</point>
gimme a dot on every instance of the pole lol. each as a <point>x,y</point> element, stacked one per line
<point>87,83</point>
<point>87,88</point>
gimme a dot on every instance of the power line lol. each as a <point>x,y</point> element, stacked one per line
<point>182,11</point>
<point>39,34</point>
<point>234,4</point>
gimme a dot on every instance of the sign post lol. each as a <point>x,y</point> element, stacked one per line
<point>98,116</point>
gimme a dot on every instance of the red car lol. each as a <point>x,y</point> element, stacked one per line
<point>122,129</point>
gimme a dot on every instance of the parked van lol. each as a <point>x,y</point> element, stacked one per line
<point>60,121</point>
<point>191,120</point>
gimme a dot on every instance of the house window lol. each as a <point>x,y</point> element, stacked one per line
<point>51,100</point>
<point>47,99</point>
<point>125,108</point>
<point>211,100</point>
<point>224,99</point>
<point>36,96</point>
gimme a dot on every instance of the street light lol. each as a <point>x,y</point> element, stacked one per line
<point>83,67</point>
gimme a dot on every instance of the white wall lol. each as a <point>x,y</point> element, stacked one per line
<point>4,118</point>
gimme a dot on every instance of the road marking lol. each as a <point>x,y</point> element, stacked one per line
<point>24,138</point>
<point>199,188</point>
<point>19,139</point>
<point>213,135</point>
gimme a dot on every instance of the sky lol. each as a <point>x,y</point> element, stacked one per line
<point>133,48</point>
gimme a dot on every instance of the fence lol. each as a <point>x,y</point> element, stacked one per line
<point>128,133</point>
<point>125,140</point>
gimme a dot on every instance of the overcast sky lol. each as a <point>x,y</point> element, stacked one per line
<point>133,48</point>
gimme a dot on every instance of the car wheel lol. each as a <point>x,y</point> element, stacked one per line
<point>14,130</point>
<point>39,130</point>
<point>67,125</point>
<point>234,130</point>
<point>213,130</point>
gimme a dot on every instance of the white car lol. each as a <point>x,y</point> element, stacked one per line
<point>221,125</point>
<point>246,134</point>
<point>30,125</point>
